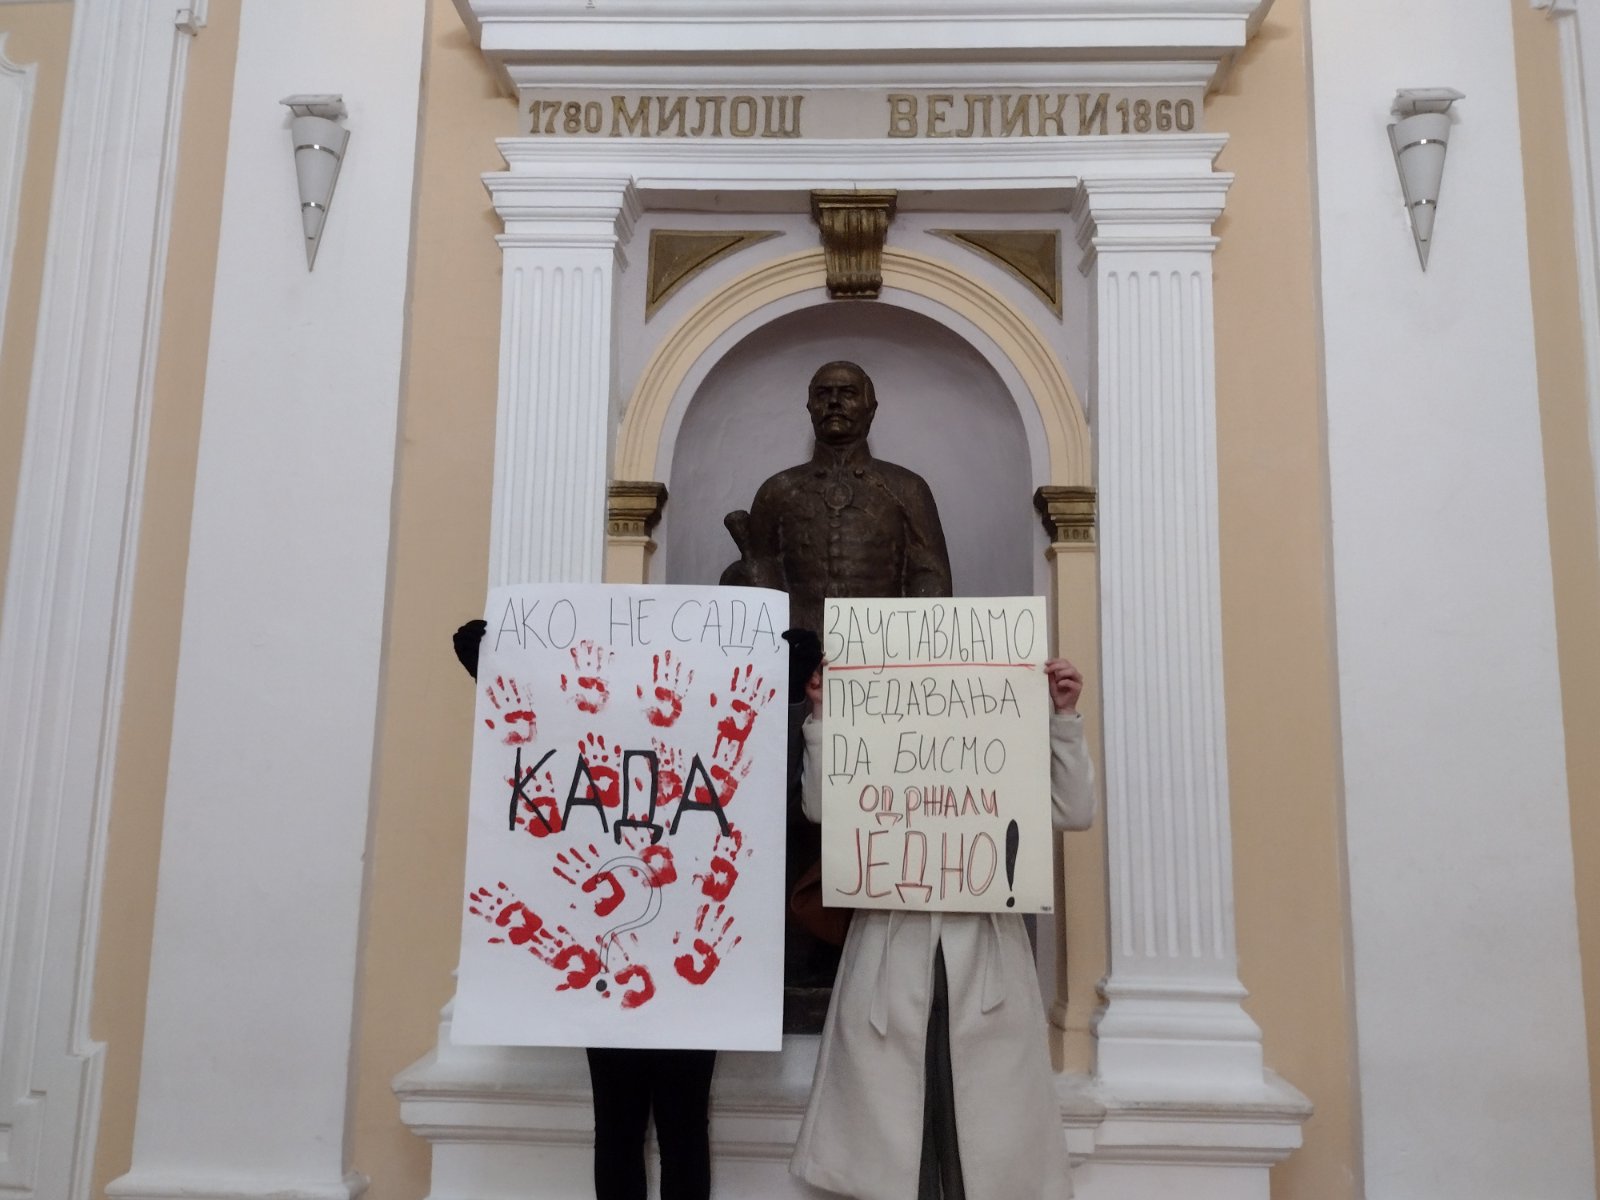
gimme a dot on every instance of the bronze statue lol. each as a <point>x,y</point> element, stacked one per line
<point>845,523</point>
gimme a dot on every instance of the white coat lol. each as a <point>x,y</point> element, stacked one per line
<point>862,1133</point>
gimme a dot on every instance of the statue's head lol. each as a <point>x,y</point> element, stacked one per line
<point>841,404</point>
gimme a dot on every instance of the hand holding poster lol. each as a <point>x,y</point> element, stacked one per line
<point>936,761</point>
<point>626,821</point>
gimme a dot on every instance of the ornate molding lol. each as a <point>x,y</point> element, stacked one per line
<point>678,255</point>
<point>1190,37</point>
<point>1171,215</point>
<point>1068,513</point>
<point>1166,165</point>
<point>16,110</point>
<point>73,562</point>
<point>1557,8</point>
<point>854,226</point>
<point>562,252</point>
<point>633,507</point>
<point>1031,255</point>
<point>780,281</point>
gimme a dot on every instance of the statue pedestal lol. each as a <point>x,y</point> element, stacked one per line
<point>507,1122</point>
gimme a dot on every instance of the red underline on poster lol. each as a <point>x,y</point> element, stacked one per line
<point>1028,666</point>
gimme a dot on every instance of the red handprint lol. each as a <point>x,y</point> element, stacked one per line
<point>588,689</point>
<point>540,810</point>
<point>583,974</point>
<point>525,928</point>
<point>702,963</point>
<point>670,770</point>
<point>588,878</point>
<point>602,761</point>
<point>512,712</point>
<point>635,973</point>
<point>728,771</point>
<point>669,680</point>
<point>646,988</point>
<point>747,695</point>
<point>721,873</point>
<point>504,911</point>
<point>662,869</point>
<point>746,699</point>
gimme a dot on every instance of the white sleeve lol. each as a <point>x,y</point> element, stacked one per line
<point>811,770</point>
<point>1072,793</point>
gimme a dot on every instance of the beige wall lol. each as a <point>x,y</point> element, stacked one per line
<point>1279,664</point>
<point>1569,471</point>
<point>1277,644</point>
<point>1277,620</point>
<point>36,34</point>
<point>439,565</point>
<point>1280,683</point>
<point>134,839</point>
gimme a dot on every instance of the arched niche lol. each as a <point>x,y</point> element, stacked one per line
<point>943,411</point>
<point>991,348</point>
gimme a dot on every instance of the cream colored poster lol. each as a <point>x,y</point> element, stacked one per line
<point>625,841</point>
<point>935,759</point>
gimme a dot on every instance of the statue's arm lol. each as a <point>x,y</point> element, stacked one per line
<point>765,539</point>
<point>757,535</point>
<point>927,560</point>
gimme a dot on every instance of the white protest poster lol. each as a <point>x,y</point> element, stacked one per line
<point>936,756</point>
<point>625,843</point>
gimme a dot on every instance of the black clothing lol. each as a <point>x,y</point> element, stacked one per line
<point>628,1086</point>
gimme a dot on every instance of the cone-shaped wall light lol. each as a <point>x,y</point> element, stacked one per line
<point>1419,140</point>
<point>319,142</point>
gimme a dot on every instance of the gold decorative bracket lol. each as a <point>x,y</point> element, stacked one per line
<point>1068,513</point>
<point>854,226</point>
<point>678,255</point>
<point>1032,255</point>
<point>633,507</point>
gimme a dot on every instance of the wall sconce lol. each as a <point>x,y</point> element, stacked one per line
<point>319,142</point>
<point>1419,140</point>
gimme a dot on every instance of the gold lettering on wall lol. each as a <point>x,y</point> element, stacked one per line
<point>1035,114</point>
<point>862,113</point>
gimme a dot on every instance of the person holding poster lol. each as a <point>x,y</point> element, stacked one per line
<point>933,1063</point>
<point>625,850</point>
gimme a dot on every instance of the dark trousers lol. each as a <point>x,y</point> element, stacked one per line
<point>940,1177</point>
<point>628,1086</point>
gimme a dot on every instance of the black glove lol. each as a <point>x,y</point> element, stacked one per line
<point>805,656</point>
<point>466,641</point>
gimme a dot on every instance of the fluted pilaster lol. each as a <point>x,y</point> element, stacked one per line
<point>562,249</point>
<point>1172,1015</point>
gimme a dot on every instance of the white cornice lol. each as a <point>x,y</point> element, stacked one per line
<point>1031,72</point>
<point>1030,165</point>
<point>823,34</point>
<point>1557,8</point>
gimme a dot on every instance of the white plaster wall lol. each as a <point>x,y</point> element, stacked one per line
<point>1473,1079</point>
<point>942,411</point>
<point>244,1085</point>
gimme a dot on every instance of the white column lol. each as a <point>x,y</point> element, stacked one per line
<point>248,1045</point>
<point>557,417</point>
<point>1172,1020</point>
<point>69,583</point>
